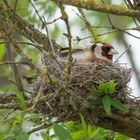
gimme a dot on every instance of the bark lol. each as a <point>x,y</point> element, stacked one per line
<point>106,8</point>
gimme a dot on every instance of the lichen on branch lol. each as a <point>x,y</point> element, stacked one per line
<point>106,8</point>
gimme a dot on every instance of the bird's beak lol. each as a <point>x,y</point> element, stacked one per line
<point>112,52</point>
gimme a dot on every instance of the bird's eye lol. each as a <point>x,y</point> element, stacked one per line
<point>105,49</point>
<point>93,47</point>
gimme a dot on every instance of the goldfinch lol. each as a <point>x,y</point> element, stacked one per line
<point>97,51</point>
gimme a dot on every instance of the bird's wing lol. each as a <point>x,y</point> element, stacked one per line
<point>63,52</point>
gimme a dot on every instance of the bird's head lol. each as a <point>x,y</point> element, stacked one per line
<point>103,51</point>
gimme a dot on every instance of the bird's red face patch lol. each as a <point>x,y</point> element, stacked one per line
<point>107,46</point>
<point>105,50</point>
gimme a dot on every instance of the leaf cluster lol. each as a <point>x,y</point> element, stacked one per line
<point>80,131</point>
<point>104,96</point>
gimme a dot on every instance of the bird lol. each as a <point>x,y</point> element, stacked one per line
<point>91,53</point>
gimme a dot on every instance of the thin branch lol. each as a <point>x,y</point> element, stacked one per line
<point>117,29</point>
<point>50,22</point>
<point>12,62</point>
<point>69,37</point>
<point>17,48</point>
<point>45,125</point>
<point>49,39</point>
<point>122,54</point>
<point>78,39</point>
<point>9,113</point>
<point>15,6</point>
<point>29,31</point>
<point>39,47</point>
<point>37,13</point>
<point>9,106</point>
<point>44,24</point>
<point>14,68</point>
<point>134,66</point>
<point>88,25</point>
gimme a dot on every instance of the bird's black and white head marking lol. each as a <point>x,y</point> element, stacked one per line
<point>96,47</point>
<point>93,47</point>
<point>103,51</point>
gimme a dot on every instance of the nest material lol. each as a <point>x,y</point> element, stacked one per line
<point>66,101</point>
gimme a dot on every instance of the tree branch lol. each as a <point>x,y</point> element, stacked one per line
<point>107,8</point>
<point>24,27</point>
<point>128,124</point>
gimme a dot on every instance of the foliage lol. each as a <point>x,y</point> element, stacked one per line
<point>16,132</point>
<point>21,100</point>
<point>2,51</point>
<point>81,131</point>
<point>104,97</point>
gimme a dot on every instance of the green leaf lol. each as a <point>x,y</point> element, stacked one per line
<point>2,50</point>
<point>102,86</point>
<point>107,88</point>
<point>61,132</point>
<point>95,133</point>
<point>21,8</point>
<point>107,104</point>
<point>111,87</point>
<point>96,91</point>
<point>21,100</point>
<point>17,133</point>
<point>22,136</point>
<point>17,122</point>
<point>97,101</point>
<point>8,137</point>
<point>84,125</point>
<point>119,136</point>
<point>117,104</point>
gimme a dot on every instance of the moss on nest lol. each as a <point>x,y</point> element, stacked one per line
<point>65,101</point>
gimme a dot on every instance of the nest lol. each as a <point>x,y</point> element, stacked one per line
<point>66,100</point>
